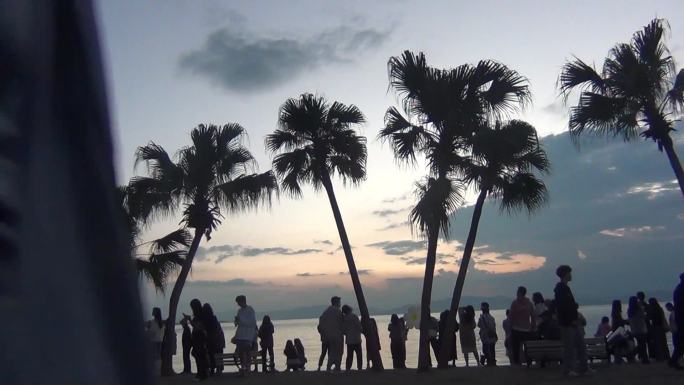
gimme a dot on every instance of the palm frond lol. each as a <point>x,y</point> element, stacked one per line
<point>505,90</point>
<point>600,114</point>
<point>675,96</point>
<point>438,198</point>
<point>341,116</point>
<point>520,191</point>
<point>177,239</point>
<point>404,138</point>
<point>247,191</point>
<point>577,74</point>
<point>150,198</point>
<point>283,140</point>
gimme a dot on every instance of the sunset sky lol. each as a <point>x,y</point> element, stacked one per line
<point>173,64</point>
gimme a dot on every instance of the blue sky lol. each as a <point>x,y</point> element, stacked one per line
<point>174,64</point>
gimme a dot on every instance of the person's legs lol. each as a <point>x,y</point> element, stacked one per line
<point>186,360</point>
<point>677,352</point>
<point>324,351</point>
<point>271,358</point>
<point>641,347</point>
<point>402,355</point>
<point>581,351</point>
<point>395,354</point>
<point>359,356</point>
<point>569,345</point>
<point>516,342</point>
<point>350,357</point>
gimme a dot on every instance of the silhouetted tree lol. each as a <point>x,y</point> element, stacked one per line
<point>314,141</point>
<point>501,166</point>
<point>445,108</point>
<point>638,92</point>
<point>212,175</point>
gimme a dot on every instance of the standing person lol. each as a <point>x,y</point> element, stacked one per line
<point>506,326</point>
<point>574,349</point>
<point>351,327</point>
<point>186,343</point>
<point>488,336</point>
<point>678,305</point>
<point>246,333</point>
<point>443,319</point>
<point>397,342</point>
<point>213,328</point>
<point>672,324</point>
<point>637,323</point>
<point>266,331</point>
<point>155,331</point>
<point>330,327</point>
<point>433,333</point>
<point>199,340</point>
<point>659,328</point>
<point>603,328</point>
<point>301,353</point>
<point>324,348</point>
<point>650,347</point>
<point>522,322</point>
<point>467,333</point>
<point>539,311</point>
<point>371,334</point>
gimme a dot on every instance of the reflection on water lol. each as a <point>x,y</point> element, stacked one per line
<point>305,329</point>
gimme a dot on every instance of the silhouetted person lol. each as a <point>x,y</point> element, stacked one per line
<point>266,331</point>
<point>574,349</point>
<point>488,336</point>
<point>213,328</point>
<point>678,304</point>
<point>656,315</point>
<point>467,333</point>
<point>324,348</point>
<point>506,326</point>
<point>619,346</point>
<point>245,334</point>
<point>199,348</point>
<point>443,319</point>
<point>603,328</point>
<point>301,353</point>
<point>522,322</point>
<point>351,327</point>
<point>637,322</point>
<point>291,358</point>
<point>650,348</point>
<point>672,324</point>
<point>186,343</point>
<point>433,333</point>
<point>397,334</point>
<point>372,334</point>
<point>330,327</point>
<point>539,310</point>
<point>155,332</point>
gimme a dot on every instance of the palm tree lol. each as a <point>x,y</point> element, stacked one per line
<point>638,92</point>
<point>501,166</point>
<point>314,141</point>
<point>444,109</point>
<point>212,175</point>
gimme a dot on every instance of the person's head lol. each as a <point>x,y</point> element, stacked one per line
<point>207,310</point>
<point>616,308</point>
<point>346,309</point>
<point>469,313</point>
<point>196,307</point>
<point>633,305</point>
<point>336,301</point>
<point>669,306</point>
<point>537,298</point>
<point>289,345</point>
<point>266,320</point>
<point>394,319</point>
<point>564,272</point>
<point>641,296</point>
<point>604,320</point>
<point>241,300</point>
<point>653,302</point>
<point>508,313</point>
<point>298,344</point>
<point>484,307</point>
<point>522,291</point>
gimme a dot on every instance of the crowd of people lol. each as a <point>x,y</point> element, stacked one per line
<point>641,335</point>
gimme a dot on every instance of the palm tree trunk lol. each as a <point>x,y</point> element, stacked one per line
<point>372,348</point>
<point>426,298</point>
<point>170,334</point>
<point>447,339</point>
<point>674,161</point>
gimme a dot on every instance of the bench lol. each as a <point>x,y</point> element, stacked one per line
<point>552,350</point>
<point>232,359</point>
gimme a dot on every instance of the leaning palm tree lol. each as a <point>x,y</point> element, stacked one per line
<point>444,109</point>
<point>501,166</point>
<point>314,141</point>
<point>212,175</point>
<point>638,92</point>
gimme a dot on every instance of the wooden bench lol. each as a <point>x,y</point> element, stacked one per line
<point>552,350</point>
<point>232,359</point>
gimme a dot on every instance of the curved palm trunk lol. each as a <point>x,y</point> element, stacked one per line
<point>447,339</point>
<point>170,335</point>
<point>372,348</point>
<point>674,162</point>
<point>426,298</point>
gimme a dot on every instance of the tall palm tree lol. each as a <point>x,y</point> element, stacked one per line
<point>501,166</point>
<point>638,92</point>
<point>314,141</point>
<point>212,175</point>
<point>444,108</point>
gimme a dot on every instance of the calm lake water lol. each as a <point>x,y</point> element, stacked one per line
<point>305,329</point>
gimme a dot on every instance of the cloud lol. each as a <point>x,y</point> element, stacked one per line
<point>653,190</point>
<point>505,263</point>
<point>556,108</point>
<point>323,242</point>
<point>238,62</point>
<point>397,198</point>
<point>581,254</point>
<point>255,251</point>
<point>230,282</point>
<point>680,216</point>
<point>360,271</point>
<point>387,212</point>
<point>307,274</point>
<point>399,247</point>
<point>627,232</point>
<point>395,225</point>
<point>414,260</point>
<point>226,251</point>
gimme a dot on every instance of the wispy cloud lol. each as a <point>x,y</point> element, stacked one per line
<point>230,282</point>
<point>623,232</point>
<point>395,225</point>
<point>239,61</point>
<point>223,252</point>
<point>581,254</point>
<point>653,190</point>
<point>307,274</point>
<point>360,271</point>
<point>398,247</point>
<point>323,242</point>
